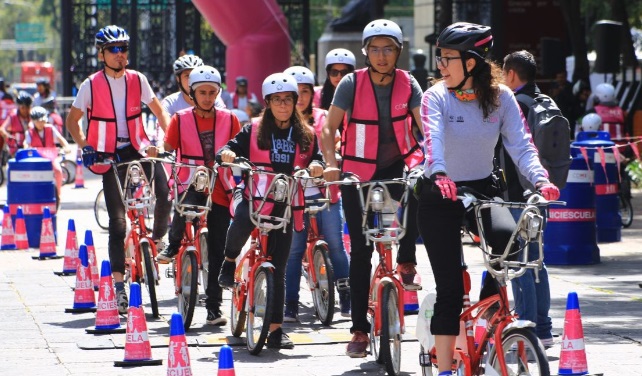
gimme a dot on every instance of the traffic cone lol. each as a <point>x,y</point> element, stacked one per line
<point>70,263</point>
<point>80,180</point>
<point>225,362</point>
<point>47,240</point>
<point>411,300</point>
<point>84,298</point>
<point>93,263</point>
<point>22,242</point>
<point>178,362</point>
<point>573,354</point>
<point>346,237</point>
<point>8,238</point>
<point>107,318</point>
<point>138,351</point>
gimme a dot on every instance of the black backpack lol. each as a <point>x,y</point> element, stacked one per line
<point>551,136</point>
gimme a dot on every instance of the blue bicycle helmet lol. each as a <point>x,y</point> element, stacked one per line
<point>111,34</point>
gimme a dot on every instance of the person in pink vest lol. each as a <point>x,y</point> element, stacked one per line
<point>196,133</point>
<point>338,63</point>
<point>241,98</point>
<point>381,104</point>
<point>278,141</point>
<point>329,221</point>
<point>611,114</point>
<point>112,99</point>
<point>15,126</point>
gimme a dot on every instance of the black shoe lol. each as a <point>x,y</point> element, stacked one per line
<point>279,340</point>
<point>344,303</point>
<point>291,312</point>
<point>226,276</point>
<point>166,256</point>
<point>215,317</point>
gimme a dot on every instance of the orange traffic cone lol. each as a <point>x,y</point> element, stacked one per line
<point>70,263</point>
<point>107,318</point>
<point>178,362</point>
<point>22,242</point>
<point>93,264</point>
<point>47,239</point>
<point>80,180</point>
<point>138,351</point>
<point>84,298</point>
<point>225,362</point>
<point>573,354</point>
<point>8,239</point>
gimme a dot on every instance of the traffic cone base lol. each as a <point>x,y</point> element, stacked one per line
<point>84,298</point>
<point>7,241</point>
<point>107,318</point>
<point>225,362</point>
<point>22,241</point>
<point>178,362</point>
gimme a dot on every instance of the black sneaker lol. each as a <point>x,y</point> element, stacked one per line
<point>166,256</point>
<point>279,340</point>
<point>215,317</point>
<point>226,276</point>
<point>291,312</point>
<point>344,303</point>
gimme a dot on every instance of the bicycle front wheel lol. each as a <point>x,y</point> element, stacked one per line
<point>239,313</point>
<point>260,312</point>
<point>100,210</point>
<point>523,353</point>
<point>188,287</point>
<point>390,346</point>
<point>323,287</point>
<point>626,211</point>
<point>149,276</point>
<point>205,259</point>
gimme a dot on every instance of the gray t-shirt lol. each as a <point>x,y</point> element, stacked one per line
<point>176,102</point>
<point>388,151</point>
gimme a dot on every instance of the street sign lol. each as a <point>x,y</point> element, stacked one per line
<point>30,32</point>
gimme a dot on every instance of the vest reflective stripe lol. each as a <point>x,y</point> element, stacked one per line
<point>102,129</point>
<point>47,142</point>
<point>360,139</point>
<point>17,131</point>
<point>612,120</point>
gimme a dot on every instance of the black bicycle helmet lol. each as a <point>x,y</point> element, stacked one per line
<point>111,34</point>
<point>24,98</point>
<point>467,37</point>
<point>241,81</point>
<point>42,81</point>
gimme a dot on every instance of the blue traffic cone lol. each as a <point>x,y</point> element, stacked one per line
<point>225,362</point>
<point>178,362</point>
<point>8,237</point>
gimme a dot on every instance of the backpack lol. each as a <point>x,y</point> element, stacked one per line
<point>551,135</point>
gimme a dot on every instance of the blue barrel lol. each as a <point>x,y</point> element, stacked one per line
<point>606,179</point>
<point>31,185</point>
<point>570,234</point>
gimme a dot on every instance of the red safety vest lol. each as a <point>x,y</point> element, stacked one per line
<point>261,158</point>
<point>191,149</point>
<point>38,142</point>
<point>360,139</point>
<point>17,131</point>
<point>612,120</point>
<point>102,129</point>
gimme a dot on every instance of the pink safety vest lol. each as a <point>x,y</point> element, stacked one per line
<point>16,130</point>
<point>47,142</point>
<point>360,139</point>
<point>319,116</point>
<point>102,129</point>
<point>261,158</point>
<point>612,120</point>
<point>191,149</point>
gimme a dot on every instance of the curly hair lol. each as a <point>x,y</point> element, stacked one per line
<point>487,76</point>
<point>301,133</point>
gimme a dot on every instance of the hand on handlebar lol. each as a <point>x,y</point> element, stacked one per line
<point>549,191</point>
<point>316,169</point>
<point>88,156</point>
<point>331,174</point>
<point>228,156</point>
<point>152,151</point>
<point>446,186</point>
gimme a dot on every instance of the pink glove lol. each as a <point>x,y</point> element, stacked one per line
<point>549,191</point>
<point>446,186</point>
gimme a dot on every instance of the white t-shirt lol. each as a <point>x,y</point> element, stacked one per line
<point>118,89</point>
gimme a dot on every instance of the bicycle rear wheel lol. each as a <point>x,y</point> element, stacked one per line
<point>626,211</point>
<point>323,292</point>
<point>188,287</point>
<point>205,260</point>
<point>66,175</point>
<point>100,210</point>
<point>149,276</point>
<point>239,311</point>
<point>260,312</point>
<point>71,168</point>
<point>390,330</point>
<point>523,353</point>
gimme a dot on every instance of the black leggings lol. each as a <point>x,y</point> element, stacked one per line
<point>440,221</point>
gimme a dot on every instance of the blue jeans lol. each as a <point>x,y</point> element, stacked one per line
<point>331,228</point>
<point>533,300</point>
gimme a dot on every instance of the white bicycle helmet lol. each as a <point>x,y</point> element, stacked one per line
<point>279,83</point>
<point>187,62</point>
<point>340,56</point>
<point>605,92</point>
<point>39,113</point>
<point>111,34</point>
<point>204,75</point>
<point>591,122</point>
<point>381,28</point>
<point>302,75</point>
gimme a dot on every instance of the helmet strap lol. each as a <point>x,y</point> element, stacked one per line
<point>196,105</point>
<point>383,75</point>
<point>467,74</point>
<point>180,86</point>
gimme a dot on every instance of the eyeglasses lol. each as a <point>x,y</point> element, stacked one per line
<point>117,49</point>
<point>276,101</point>
<point>387,51</point>
<point>335,72</point>
<point>445,60</point>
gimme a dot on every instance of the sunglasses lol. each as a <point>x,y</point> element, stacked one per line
<point>335,72</point>
<point>117,49</point>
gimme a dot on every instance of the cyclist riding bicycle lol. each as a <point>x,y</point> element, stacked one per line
<point>280,141</point>
<point>463,115</point>
<point>15,127</point>
<point>196,133</point>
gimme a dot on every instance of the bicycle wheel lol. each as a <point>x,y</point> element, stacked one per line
<point>239,312</point>
<point>149,276</point>
<point>375,340</point>
<point>390,330</point>
<point>260,312</point>
<point>523,353</point>
<point>626,211</point>
<point>188,288</point>
<point>323,293</point>
<point>100,211</point>
<point>66,179</point>
<point>71,168</point>
<point>205,262</point>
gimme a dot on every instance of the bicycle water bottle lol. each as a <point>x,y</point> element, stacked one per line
<point>346,238</point>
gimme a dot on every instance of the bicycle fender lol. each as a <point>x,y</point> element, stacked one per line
<point>267,264</point>
<point>143,240</point>
<point>519,324</point>
<point>190,248</point>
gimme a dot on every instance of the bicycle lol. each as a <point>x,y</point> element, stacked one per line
<point>624,195</point>
<point>253,293</point>
<point>317,267</point>
<point>102,217</point>
<point>492,340</point>
<point>193,248</point>
<point>384,224</point>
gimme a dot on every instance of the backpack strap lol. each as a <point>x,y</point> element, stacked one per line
<point>525,99</point>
